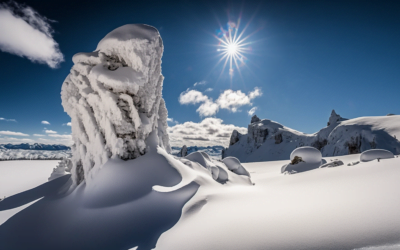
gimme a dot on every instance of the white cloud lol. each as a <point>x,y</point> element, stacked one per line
<point>192,97</point>
<point>50,132</point>
<point>208,90</point>
<point>38,135</point>
<point>61,136</point>
<point>12,140</point>
<point>12,133</point>
<point>46,122</point>
<point>199,83</point>
<point>172,120</point>
<point>232,100</point>
<point>208,132</point>
<point>7,120</point>
<point>67,124</point>
<point>252,111</point>
<point>208,108</point>
<point>229,99</point>
<point>26,33</point>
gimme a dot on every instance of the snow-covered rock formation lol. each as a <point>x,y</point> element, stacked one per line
<point>212,151</point>
<point>183,152</point>
<point>113,96</point>
<point>268,140</point>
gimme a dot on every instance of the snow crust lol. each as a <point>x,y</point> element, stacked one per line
<point>268,140</point>
<point>113,96</point>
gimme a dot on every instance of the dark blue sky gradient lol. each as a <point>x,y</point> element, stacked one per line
<point>309,57</point>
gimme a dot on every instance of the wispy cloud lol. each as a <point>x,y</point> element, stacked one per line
<point>12,133</point>
<point>46,122</point>
<point>208,90</point>
<point>12,140</point>
<point>200,83</point>
<point>61,136</point>
<point>252,111</point>
<point>50,132</point>
<point>25,33</point>
<point>7,120</point>
<point>172,120</point>
<point>38,135</point>
<point>67,124</point>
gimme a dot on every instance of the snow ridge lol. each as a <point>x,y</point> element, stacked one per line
<point>268,140</point>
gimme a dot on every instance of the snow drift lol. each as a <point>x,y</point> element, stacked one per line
<point>113,96</point>
<point>268,140</point>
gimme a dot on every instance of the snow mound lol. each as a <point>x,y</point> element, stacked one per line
<point>303,159</point>
<point>373,154</point>
<point>113,96</point>
<point>234,165</point>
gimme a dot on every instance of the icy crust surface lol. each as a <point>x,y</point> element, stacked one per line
<point>268,140</point>
<point>114,98</point>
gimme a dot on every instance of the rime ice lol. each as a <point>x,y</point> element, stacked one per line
<point>113,96</point>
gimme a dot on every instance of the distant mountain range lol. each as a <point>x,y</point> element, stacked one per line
<point>35,146</point>
<point>213,151</point>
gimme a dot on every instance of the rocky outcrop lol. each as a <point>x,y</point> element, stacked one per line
<point>113,96</point>
<point>183,152</point>
<point>235,137</point>
<point>268,140</point>
<point>255,119</point>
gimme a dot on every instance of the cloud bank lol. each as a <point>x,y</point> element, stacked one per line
<point>12,133</point>
<point>208,132</point>
<point>26,33</point>
<point>229,99</point>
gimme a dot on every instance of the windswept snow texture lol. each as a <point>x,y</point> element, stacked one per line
<point>213,151</point>
<point>114,98</point>
<point>21,154</point>
<point>268,140</point>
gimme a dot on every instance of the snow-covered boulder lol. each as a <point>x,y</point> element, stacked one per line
<point>113,96</point>
<point>233,164</point>
<point>303,159</point>
<point>374,154</point>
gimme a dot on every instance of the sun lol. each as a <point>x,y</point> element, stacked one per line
<point>232,46</point>
<point>232,49</point>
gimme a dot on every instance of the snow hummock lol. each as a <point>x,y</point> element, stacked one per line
<point>374,154</point>
<point>303,159</point>
<point>114,98</point>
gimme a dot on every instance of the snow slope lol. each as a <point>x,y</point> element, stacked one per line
<point>268,140</point>
<point>345,207</point>
<point>18,176</point>
<point>22,154</point>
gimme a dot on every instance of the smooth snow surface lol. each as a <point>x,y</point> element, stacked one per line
<point>374,154</point>
<point>341,208</point>
<point>18,176</point>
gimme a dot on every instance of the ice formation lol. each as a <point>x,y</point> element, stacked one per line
<point>113,96</point>
<point>268,140</point>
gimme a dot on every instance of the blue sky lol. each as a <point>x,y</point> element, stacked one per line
<point>307,58</point>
